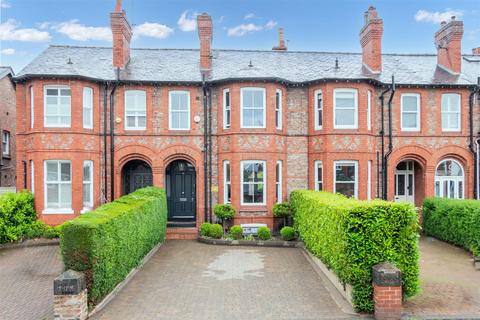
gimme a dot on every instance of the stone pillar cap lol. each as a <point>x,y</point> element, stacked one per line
<point>70,282</point>
<point>386,274</point>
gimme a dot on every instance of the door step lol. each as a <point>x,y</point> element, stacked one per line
<point>182,233</point>
<point>181,224</point>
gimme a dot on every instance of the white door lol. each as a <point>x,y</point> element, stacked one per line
<point>405,182</point>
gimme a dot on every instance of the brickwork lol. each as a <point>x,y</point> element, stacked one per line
<point>70,307</point>
<point>7,123</point>
<point>387,291</point>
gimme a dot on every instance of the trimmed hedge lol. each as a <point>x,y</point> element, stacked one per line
<point>17,215</point>
<point>351,236</point>
<point>453,221</point>
<point>107,243</point>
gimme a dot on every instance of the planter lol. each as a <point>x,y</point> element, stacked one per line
<point>251,243</point>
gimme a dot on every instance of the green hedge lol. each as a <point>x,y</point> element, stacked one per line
<point>17,214</point>
<point>454,221</point>
<point>351,236</point>
<point>107,243</point>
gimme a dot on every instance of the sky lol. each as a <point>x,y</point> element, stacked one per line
<point>27,27</point>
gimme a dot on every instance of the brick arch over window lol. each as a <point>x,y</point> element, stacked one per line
<point>181,152</point>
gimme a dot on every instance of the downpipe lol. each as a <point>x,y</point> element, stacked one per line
<point>390,142</point>
<point>474,150</point>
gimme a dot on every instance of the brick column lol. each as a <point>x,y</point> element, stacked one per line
<point>387,291</point>
<point>70,296</point>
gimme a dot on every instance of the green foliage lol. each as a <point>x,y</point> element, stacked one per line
<point>454,221</point>
<point>351,236</point>
<point>205,229</point>
<point>17,214</point>
<point>224,211</point>
<point>249,237</point>
<point>216,231</point>
<point>236,232</point>
<point>107,243</point>
<point>281,210</point>
<point>287,233</point>
<point>39,229</point>
<point>264,233</point>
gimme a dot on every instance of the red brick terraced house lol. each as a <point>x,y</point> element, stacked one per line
<point>7,130</point>
<point>246,127</point>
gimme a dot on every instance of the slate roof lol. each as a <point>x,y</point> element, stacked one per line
<point>182,65</point>
<point>5,71</point>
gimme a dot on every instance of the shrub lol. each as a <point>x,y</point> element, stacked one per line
<point>17,213</point>
<point>281,210</point>
<point>351,236</point>
<point>454,221</point>
<point>287,233</point>
<point>236,232</point>
<point>107,243</point>
<point>264,233</point>
<point>205,229</point>
<point>224,211</point>
<point>39,229</point>
<point>216,231</point>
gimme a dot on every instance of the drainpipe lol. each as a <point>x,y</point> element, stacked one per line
<point>378,174</point>
<point>210,144</point>
<point>105,122</point>
<point>24,174</point>
<point>390,143</point>
<point>382,134</point>
<point>205,149</point>
<point>112,139</point>
<point>471,144</point>
<point>477,165</point>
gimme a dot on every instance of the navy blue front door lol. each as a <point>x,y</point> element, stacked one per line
<point>181,195</point>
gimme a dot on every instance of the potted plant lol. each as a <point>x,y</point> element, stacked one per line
<point>281,213</point>
<point>225,212</point>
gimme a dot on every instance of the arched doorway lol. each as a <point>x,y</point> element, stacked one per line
<point>180,183</point>
<point>409,182</point>
<point>136,174</point>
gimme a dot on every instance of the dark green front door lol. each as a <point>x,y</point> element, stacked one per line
<point>181,196</point>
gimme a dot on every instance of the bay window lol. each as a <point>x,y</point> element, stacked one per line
<point>57,108</point>
<point>87,185</point>
<point>346,178</point>
<point>252,102</point>
<point>227,110</point>
<point>58,186</point>
<point>345,109</point>
<point>87,108</point>
<point>278,109</point>
<point>318,103</point>
<point>253,182</point>
<point>278,182</point>
<point>227,183</point>
<point>318,175</point>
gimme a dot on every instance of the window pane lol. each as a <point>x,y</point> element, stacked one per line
<point>65,92</point>
<point>248,118</point>
<point>227,117</point>
<point>142,121</point>
<point>52,92</point>
<point>51,101</point>
<point>409,103</point>
<point>229,193</point>
<point>248,172</point>
<point>227,172</point>
<point>258,118</point>
<point>437,188</point>
<point>247,96</point>
<point>401,184</point>
<point>347,189</point>
<point>345,173</point>
<point>453,121</point>
<point>248,193</point>
<point>258,193</point>
<point>52,195</point>
<point>258,99</point>
<point>86,172</point>
<point>86,194</point>
<point>460,189</point>
<point>320,186</point>
<point>52,171</point>
<point>227,99</point>
<point>345,117</point>
<point>345,100</point>
<point>409,120</point>
<point>319,118</point>
<point>65,171</point>
<point>66,195</point>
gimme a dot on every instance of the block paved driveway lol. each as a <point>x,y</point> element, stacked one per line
<point>190,280</point>
<point>26,282</point>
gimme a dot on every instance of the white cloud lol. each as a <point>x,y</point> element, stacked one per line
<point>76,31</point>
<point>10,30</point>
<point>243,29</point>
<point>44,25</point>
<point>221,19</point>
<point>270,24</point>
<point>154,30</point>
<point>8,51</point>
<point>186,23</point>
<point>251,16</point>
<point>4,4</point>
<point>437,17</point>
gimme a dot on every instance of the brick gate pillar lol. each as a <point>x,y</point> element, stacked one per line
<point>70,296</point>
<point>387,291</point>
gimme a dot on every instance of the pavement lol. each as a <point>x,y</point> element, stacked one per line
<point>190,280</point>
<point>450,284</point>
<point>26,282</point>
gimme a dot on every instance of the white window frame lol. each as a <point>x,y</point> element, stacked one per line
<point>459,113</point>
<point>87,206</point>
<point>170,110</point>
<point>369,180</point>
<point>455,179</point>
<point>417,95</point>
<point>32,107</point>
<point>135,113</point>
<point>369,110</point>
<point>45,88</point>
<point>227,183</point>
<point>242,165</point>
<point>87,106</point>
<point>318,179</point>
<point>345,162</point>
<point>6,143</point>
<point>242,90</point>
<point>355,117</point>
<point>227,108</point>
<point>317,109</point>
<point>45,183</point>
<point>32,177</point>
<point>278,182</point>
<point>278,109</point>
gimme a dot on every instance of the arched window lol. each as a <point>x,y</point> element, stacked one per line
<point>449,180</point>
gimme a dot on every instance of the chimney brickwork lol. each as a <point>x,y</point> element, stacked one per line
<point>122,35</point>
<point>371,41</point>
<point>448,41</point>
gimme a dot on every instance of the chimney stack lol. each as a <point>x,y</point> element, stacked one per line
<point>122,34</point>
<point>476,51</point>
<point>205,34</point>
<point>448,41</point>
<point>281,41</point>
<point>371,41</point>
